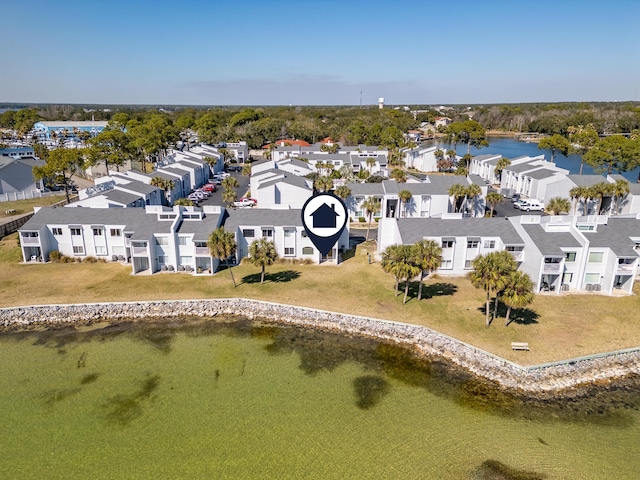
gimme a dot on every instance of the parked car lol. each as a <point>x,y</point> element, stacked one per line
<point>518,203</point>
<point>203,192</point>
<point>209,187</point>
<point>532,205</point>
<point>248,199</point>
<point>234,168</point>
<point>194,197</point>
<point>244,203</point>
<point>515,197</point>
<point>221,175</point>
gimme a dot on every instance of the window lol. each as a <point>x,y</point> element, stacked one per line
<point>446,264</point>
<point>56,231</point>
<point>586,228</point>
<point>467,264</point>
<point>116,232</point>
<point>567,277</point>
<point>447,243</point>
<point>76,231</point>
<point>489,244</point>
<point>592,278</point>
<point>570,256</point>
<point>78,250</point>
<point>267,232</point>
<point>288,232</point>
<point>289,251</point>
<point>30,234</point>
<point>596,257</point>
<point>186,260</point>
<point>101,250</point>
<point>182,240</point>
<point>472,243</point>
<point>97,232</point>
<point>307,251</point>
<point>162,259</point>
<point>248,232</point>
<point>162,240</point>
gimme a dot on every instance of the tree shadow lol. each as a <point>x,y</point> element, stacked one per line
<point>430,290</point>
<point>277,277</point>
<point>521,316</point>
<point>348,254</point>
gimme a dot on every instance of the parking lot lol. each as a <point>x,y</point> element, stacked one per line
<point>216,197</point>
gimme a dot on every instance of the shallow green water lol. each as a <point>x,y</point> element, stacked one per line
<point>238,400</point>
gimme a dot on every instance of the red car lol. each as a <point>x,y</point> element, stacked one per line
<point>209,187</point>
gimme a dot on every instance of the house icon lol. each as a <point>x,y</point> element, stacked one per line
<point>324,216</point>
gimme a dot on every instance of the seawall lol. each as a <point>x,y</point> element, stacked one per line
<point>536,380</point>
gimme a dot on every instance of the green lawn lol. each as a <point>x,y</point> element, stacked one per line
<point>26,206</point>
<point>556,327</point>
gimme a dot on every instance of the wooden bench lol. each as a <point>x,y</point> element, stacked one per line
<point>520,346</point>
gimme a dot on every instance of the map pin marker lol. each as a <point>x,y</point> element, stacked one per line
<point>324,217</point>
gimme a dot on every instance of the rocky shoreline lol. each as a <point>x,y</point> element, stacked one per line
<point>538,381</point>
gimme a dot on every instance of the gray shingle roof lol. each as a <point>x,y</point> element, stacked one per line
<point>522,167</point>
<point>294,180</point>
<point>542,173</point>
<point>435,185</point>
<point>549,243</point>
<point>634,188</point>
<point>413,230</point>
<point>201,229</point>
<point>136,186</point>
<point>262,217</point>
<point>119,196</point>
<point>616,234</point>
<point>477,179</point>
<point>132,219</point>
<point>586,180</point>
<point>366,188</point>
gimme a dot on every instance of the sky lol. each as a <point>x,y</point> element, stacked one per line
<point>321,52</point>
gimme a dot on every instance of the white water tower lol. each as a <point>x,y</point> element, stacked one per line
<point>381,103</point>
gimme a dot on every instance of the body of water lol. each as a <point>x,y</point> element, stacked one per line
<point>510,148</point>
<point>205,399</point>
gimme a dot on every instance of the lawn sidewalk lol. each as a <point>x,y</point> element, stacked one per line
<point>555,328</point>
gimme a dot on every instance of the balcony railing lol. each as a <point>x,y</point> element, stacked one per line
<point>551,268</point>
<point>30,241</point>
<point>625,267</point>
<point>203,251</point>
<point>517,256</point>
<point>140,251</point>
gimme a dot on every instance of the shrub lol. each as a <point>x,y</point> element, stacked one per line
<point>55,256</point>
<point>377,220</point>
<point>361,219</point>
<point>90,260</point>
<point>65,259</point>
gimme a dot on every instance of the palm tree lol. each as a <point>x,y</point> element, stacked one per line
<point>346,172</point>
<point>558,206</point>
<point>473,191</point>
<point>577,194</point>
<point>343,192</point>
<point>229,183</point>
<point>398,175</point>
<point>494,198</point>
<point>222,245</point>
<point>400,262</point>
<point>501,165</point>
<point>490,272</point>
<point>404,196</point>
<point>263,253</point>
<point>324,184</point>
<point>428,257</point>
<point>620,190</point>
<point>370,163</point>
<point>451,155</point>
<point>185,202</point>
<point>517,293</point>
<point>598,191</point>
<point>439,154</point>
<point>229,196</point>
<point>370,206</point>
<point>390,257</point>
<point>456,191</point>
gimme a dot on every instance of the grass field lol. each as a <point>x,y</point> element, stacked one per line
<point>555,327</point>
<point>26,206</point>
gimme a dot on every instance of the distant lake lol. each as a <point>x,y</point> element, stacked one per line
<point>510,148</point>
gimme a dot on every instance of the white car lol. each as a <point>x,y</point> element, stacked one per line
<point>195,196</point>
<point>532,205</point>
<point>244,203</point>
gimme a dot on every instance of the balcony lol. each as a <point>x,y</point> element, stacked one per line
<point>203,251</point>
<point>30,240</point>
<point>551,268</point>
<point>517,256</point>
<point>625,268</point>
<point>140,251</point>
